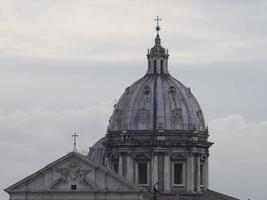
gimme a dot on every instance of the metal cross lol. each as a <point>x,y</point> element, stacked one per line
<point>157,27</point>
<point>75,135</point>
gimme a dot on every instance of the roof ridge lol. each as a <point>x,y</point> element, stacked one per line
<point>80,156</point>
<point>36,173</point>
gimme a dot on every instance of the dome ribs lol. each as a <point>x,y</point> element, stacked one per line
<point>155,103</point>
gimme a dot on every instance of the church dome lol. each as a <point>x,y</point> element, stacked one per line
<point>156,133</point>
<point>157,100</point>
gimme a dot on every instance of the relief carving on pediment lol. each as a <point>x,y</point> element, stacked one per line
<point>73,172</point>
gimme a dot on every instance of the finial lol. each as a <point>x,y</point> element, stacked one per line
<point>158,27</point>
<point>75,135</point>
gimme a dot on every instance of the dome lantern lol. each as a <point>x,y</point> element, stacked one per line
<point>157,56</point>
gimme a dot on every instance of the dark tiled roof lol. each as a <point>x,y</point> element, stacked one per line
<point>212,195</point>
<point>208,195</point>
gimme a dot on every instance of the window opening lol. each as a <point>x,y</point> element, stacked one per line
<point>178,174</point>
<point>115,167</point>
<point>73,187</point>
<point>142,173</point>
<point>161,66</point>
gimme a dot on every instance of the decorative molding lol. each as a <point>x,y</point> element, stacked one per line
<point>142,156</point>
<point>143,116</point>
<point>73,172</point>
<point>178,156</point>
<point>114,156</point>
<point>177,118</point>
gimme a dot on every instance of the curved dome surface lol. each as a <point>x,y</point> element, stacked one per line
<point>97,151</point>
<point>154,102</point>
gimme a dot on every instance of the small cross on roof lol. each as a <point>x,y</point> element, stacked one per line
<point>75,135</point>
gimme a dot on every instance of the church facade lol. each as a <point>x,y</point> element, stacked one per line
<point>156,147</point>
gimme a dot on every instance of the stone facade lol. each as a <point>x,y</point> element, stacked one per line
<point>74,177</point>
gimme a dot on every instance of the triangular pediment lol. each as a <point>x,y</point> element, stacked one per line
<point>73,172</point>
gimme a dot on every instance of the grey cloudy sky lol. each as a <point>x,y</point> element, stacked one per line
<point>64,62</point>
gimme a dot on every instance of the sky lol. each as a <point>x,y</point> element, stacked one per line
<point>64,63</point>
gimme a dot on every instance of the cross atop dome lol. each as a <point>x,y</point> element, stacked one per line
<point>158,27</point>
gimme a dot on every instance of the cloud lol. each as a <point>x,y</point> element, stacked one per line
<point>195,32</point>
<point>32,139</point>
<point>238,157</point>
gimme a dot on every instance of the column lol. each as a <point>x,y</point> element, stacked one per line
<point>188,164</point>
<point>190,173</point>
<point>198,173</point>
<point>167,173</point>
<point>129,167</point>
<point>206,174</point>
<point>121,165</point>
<point>154,170</point>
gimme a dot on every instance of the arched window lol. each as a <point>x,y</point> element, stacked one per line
<point>161,66</point>
<point>115,163</point>
<point>146,90</point>
<point>172,90</point>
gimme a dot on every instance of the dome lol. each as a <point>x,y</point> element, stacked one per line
<point>157,100</point>
<point>156,133</point>
<point>154,102</point>
<point>97,151</point>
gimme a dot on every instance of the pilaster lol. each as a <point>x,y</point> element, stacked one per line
<point>121,165</point>
<point>206,174</point>
<point>154,169</point>
<point>130,167</point>
<point>198,173</point>
<point>167,173</point>
<point>190,173</point>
